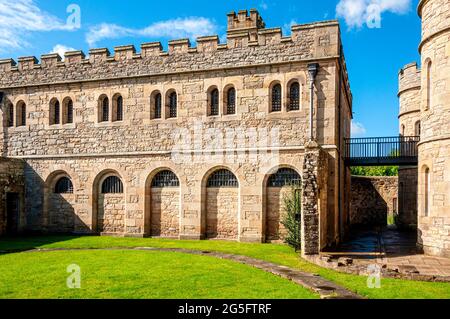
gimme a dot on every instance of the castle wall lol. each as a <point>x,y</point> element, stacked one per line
<point>165,212</point>
<point>434,148</point>
<point>11,182</point>
<point>275,212</point>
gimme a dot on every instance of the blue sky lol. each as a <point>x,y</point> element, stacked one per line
<point>379,36</point>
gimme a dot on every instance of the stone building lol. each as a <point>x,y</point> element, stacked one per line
<point>190,143</point>
<point>424,110</point>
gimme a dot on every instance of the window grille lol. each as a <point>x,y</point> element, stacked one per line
<point>119,115</point>
<point>294,97</point>
<point>173,105</point>
<point>56,113</point>
<point>214,102</point>
<point>70,111</point>
<point>105,110</point>
<point>23,115</point>
<point>231,101</point>
<point>165,179</point>
<point>112,185</point>
<point>158,100</point>
<point>222,178</point>
<point>64,186</point>
<point>10,121</point>
<point>284,177</point>
<point>276,98</point>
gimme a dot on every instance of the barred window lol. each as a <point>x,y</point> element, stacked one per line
<point>10,114</point>
<point>231,101</point>
<point>157,106</point>
<point>294,97</point>
<point>173,105</point>
<point>222,178</point>
<point>21,114</point>
<point>284,177</point>
<point>105,109</point>
<point>64,186</point>
<point>69,112</point>
<point>276,98</point>
<point>214,102</point>
<point>119,108</point>
<point>112,185</point>
<point>165,179</point>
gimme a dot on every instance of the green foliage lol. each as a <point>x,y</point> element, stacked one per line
<point>291,217</point>
<point>374,171</point>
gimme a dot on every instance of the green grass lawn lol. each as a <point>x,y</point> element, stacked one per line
<point>280,254</point>
<point>138,274</point>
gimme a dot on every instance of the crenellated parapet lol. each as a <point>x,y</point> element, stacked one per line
<point>248,43</point>
<point>409,78</point>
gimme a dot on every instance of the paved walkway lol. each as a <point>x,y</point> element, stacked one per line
<point>395,251</point>
<point>326,289</point>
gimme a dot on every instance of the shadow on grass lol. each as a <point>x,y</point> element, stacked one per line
<point>15,244</point>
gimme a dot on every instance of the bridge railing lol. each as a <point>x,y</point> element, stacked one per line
<point>397,150</point>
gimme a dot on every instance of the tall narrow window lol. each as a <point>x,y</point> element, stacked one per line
<point>294,97</point>
<point>56,113</point>
<point>105,110</point>
<point>276,98</point>
<point>214,102</point>
<point>21,114</point>
<point>10,115</point>
<point>173,105</point>
<point>427,192</point>
<point>118,109</point>
<point>231,101</point>
<point>157,106</point>
<point>69,112</point>
<point>429,85</point>
<point>417,128</point>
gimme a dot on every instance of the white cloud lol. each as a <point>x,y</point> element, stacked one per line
<point>61,50</point>
<point>357,12</point>
<point>263,5</point>
<point>287,26</point>
<point>358,129</point>
<point>19,18</point>
<point>191,27</point>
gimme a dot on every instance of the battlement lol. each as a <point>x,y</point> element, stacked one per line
<point>409,77</point>
<point>247,36</point>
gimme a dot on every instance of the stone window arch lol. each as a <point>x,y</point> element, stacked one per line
<point>417,128</point>
<point>103,109</point>
<point>117,108</point>
<point>112,185</point>
<point>156,105</point>
<point>63,186</point>
<point>172,104</point>
<point>222,178</point>
<point>67,111</point>
<point>55,112</point>
<point>230,100</point>
<point>21,114</point>
<point>9,114</point>
<point>213,101</point>
<point>276,97</point>
<point>294,96</point>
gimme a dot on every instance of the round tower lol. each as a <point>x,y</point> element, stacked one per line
<point>409,79</point>
<point>434,147</point>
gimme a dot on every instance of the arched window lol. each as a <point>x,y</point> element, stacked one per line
<point>165,178</point>
<point>429,84</point>
<point>157,106</point>
<point>173,105</point>
<point>9,115</point>
<point>64,186</point>
<point>54,112</point>
<point>402,130</point>
<point>417,128</point>
<point>118,108</point>
<point>231,101</point>
<point>214,102</point>
<point>276,98</point>
<point>294,97</point>
<point>68,112</point>
<point>104,112</point>
<point>222,178</point>
<point>284,177</point>
<point>112,185</point>
<point>21,114</point>
<point>427,192</point>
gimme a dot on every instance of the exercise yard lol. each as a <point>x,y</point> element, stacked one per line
<point>110,270</point>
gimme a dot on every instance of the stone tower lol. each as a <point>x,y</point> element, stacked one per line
<point>409,121</point>
<point>434,148</point>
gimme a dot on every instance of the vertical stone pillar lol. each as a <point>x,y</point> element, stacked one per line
<point>310,219</point>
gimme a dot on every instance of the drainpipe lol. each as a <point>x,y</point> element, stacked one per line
<point>313,68</point>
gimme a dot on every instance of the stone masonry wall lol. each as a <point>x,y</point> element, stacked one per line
<point>165,212</point>
<point>222,208</point>
<point>11,181</point>
<point>372,200</point>
<point>111,214</point>
<point>275,211</point>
